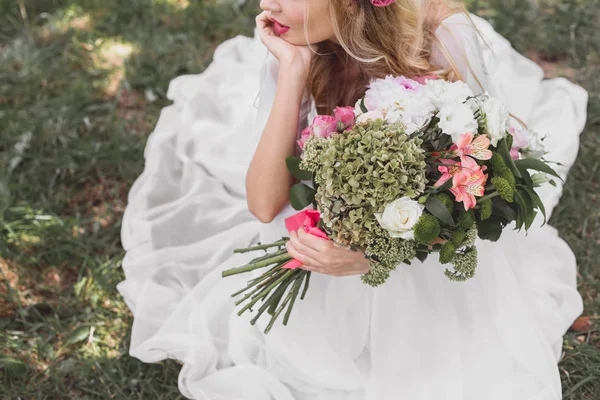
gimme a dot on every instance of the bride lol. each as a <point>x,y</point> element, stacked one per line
<point>214,181</point>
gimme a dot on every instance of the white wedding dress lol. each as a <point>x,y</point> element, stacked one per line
<point>420,336</point>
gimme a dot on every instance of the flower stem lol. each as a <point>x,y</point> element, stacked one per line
<point>295,290</point>
<point>267,277</point>
<point>253,266</point>
<point>488,196</point>
<point>266,291</point>
<point>280,242</point>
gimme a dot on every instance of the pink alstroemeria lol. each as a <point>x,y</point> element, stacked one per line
<point>468,182</point>
<point>447,171</point>
<point>477,148</point>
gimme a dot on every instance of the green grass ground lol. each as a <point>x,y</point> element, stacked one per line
<point>82,83</point>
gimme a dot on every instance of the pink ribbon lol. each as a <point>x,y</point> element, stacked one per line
<point>306,220</point>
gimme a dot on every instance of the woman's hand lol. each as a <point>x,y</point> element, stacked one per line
<point>321,255</point>
<point>295,58</point>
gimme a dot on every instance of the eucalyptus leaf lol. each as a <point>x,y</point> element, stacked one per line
<point>301,196</point>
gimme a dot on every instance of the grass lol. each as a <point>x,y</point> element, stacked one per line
<point>82,83</point>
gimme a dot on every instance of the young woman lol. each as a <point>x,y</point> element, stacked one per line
<point>215,180</point>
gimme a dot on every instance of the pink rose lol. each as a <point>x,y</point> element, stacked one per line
<point>324,125</point>
<point>306,133</point>
<point>346,116</point>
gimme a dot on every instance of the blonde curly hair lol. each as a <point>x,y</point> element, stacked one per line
<point>374,42</point>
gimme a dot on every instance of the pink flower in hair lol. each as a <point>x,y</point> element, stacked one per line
<point>382,3</point>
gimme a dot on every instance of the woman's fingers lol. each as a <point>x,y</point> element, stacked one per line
<point>298,240</point>
<point>298,255</point>
<point>314,242</point>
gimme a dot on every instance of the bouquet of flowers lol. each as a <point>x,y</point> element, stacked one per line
<point>416,167</point>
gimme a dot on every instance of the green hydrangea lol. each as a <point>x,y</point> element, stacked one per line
<point>359,172</point>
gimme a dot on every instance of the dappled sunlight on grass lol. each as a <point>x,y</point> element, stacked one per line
<point>112,54</point>
<point>73,17</point>
<point>176,4</point>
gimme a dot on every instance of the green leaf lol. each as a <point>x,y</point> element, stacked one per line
<point>536,200</point>
<point>526,176</point>
<point>538,165</point>
<point>524,211</point>
<point>530,212</point>
<point>293,165</point>
<point>422,256</point>
<point>301,196</point>
<point>503,209</point>
<point>490,229</point>
<point>439,210</point>
<point>447,185</point>
<point>505,153</point>
<point>78,335</point>
<point>362,105</point>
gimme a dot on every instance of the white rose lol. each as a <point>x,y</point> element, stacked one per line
<point>497,118</point>
<point>456,119</point>
<point>400,216</point>
<point>371,115</point>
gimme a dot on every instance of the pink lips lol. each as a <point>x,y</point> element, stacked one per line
<point>279,28</point>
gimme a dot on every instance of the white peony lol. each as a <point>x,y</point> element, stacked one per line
<point>400,216</point>
<point>414,113</point>
<point>497,119</point>
<point>456,119</point>
<point>442,92</point>
<point>401,100</point>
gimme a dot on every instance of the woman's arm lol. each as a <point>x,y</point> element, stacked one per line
<point>268,180</point>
